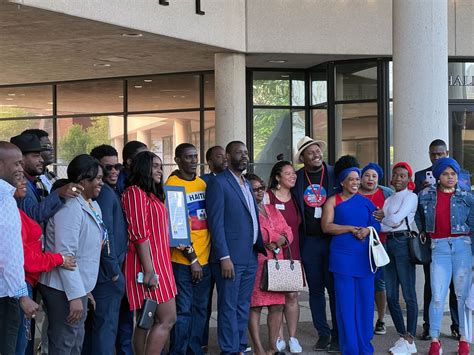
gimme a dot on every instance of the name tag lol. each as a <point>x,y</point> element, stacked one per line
<point>280,206</point>
<point>318,211</point>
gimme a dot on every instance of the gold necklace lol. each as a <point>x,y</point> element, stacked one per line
<point>447,190</point>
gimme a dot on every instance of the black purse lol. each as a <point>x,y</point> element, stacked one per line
<point>420,246</point>
<point>147,315</point>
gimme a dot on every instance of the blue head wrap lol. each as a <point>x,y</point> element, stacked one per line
<point>441,164</point>
<point>374,166</point>
<point>343,174</point>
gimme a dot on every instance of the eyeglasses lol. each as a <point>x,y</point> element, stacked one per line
<point>117,167</point>
<point>259,189</point>
<point>47,146</point>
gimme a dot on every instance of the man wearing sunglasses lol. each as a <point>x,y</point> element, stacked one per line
<point>104,322</point>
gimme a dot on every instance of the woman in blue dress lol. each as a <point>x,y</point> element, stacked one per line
<point>347,216</point>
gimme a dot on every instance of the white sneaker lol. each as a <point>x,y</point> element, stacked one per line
<point>280,344</point>
<point>295,347</point>
<point>400,347</point>
<point>411,348</point>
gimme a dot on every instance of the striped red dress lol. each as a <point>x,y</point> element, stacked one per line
<point>147,220</point>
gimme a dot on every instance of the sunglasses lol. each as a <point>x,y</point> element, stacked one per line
<point>117,167</point>
<point>259,189</point>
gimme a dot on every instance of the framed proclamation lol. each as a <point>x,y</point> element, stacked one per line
<point>180,232</point>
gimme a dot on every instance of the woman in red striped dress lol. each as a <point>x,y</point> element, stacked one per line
<point>149,251</point>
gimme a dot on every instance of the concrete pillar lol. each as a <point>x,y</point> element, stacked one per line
<point>230,98</point>
<point>420,78</point>
<point>144,136</point>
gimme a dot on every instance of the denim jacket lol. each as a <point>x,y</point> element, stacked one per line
<point>461,210</point>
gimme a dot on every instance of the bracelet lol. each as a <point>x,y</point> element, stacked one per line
<point>64,260</point>
<point>194,261</point>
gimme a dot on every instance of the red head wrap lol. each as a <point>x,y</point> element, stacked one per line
<point>406,166</point>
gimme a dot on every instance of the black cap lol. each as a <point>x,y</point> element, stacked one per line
<point>28,143</point>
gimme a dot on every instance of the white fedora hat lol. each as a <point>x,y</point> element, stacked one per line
<point>304,143</point>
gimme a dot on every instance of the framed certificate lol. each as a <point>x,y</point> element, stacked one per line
<point>180,232</point>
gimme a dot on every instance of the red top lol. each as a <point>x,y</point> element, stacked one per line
<point>147,220</point>
<point>36,261</point>
<point>378,199</point>
<point>290,212</point>
<point>443,216</point>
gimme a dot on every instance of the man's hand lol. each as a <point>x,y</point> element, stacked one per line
<point>69,262</point>
<point>91,300</point>
<point>70,190</point>
<point>378,214</point>
<point>227,269</point>
<point>426,184</point>
<point>28,306</point>
<point>76,311</point>
<point>196,271</point>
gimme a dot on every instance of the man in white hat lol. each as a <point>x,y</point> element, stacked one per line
<point>314,185</point>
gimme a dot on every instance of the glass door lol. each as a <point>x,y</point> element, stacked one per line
<point>462,135</point>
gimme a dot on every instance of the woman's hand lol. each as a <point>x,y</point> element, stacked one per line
<point>362,233</point>
<point>91,300</point>
<point>76,311</point>
<point>150,280</point>
<point>69,262</point>
<point>378,214</point>
<point>354,230</point>
<point>271,246</point>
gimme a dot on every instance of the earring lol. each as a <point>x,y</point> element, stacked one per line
<point>278,186</point>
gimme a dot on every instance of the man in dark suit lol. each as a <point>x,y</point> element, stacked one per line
<point>102,324</point>
<point>314,185</point>
<point>236,239</point>
<point>217,162</point>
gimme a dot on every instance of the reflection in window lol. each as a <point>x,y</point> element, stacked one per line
<point>320,124</point>
<point>209,90</point>
<point>163,92</point>
<point>90,97</point>
<point>298,131</point>
<point>271,137</point>
<point>462,127</point>
<point>26,101</point>
<point>356,81</point>
<point>319,88</point>
<point>11,128</point>
<point>461,81</point>
<point>356,131</point>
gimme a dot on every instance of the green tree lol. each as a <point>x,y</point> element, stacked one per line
<point>10,128</point>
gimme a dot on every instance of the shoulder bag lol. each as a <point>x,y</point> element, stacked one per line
<point>419,246</point>
<point>282,275</point>
<point>377,251</point>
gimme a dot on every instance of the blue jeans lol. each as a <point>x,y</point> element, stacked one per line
<point>123,343</point>
<point>26,330</point>
<point>401,271</point>
<point>450,258</point>
<point>315,258</point>
<point>191,310</point>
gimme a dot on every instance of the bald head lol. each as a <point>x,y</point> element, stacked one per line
<point>11,169</point>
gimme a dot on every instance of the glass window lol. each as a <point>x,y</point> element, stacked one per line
<point>462,128</point>
<point>78,135</point>
<point>356,131</point>
<point>297,89</point>
<point>209,90</point>
<point>164,92</point>
<point>26,101</point>
<point>298,131</point>
<point>162,132</point>
<point>90,97</point>
<point>320,124</point>
<point>319,88</point>
<point>271,136</point>
<point>271,88</point>
<point>356,81</point>
<point>461,81</point>
<point>390,80</point>
<point>11,128</point>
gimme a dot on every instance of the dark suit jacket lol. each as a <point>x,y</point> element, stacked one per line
<point>300,186</point>
<point>229,221</point>
<point>37,209</point>
<point>112,215</point>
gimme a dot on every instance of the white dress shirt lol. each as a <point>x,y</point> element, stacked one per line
<point>12,272</point>
<point>396,207</point>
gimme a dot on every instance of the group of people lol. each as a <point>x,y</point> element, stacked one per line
<point>96,246</point>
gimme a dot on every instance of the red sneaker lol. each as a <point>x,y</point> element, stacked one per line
<point>463,348</point>
<point>435,348</point>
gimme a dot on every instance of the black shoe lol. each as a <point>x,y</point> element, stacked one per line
<point>380,328</point>
<point>334,346</point>
<point>425,335</point>
<point>455,332</point>
<point>322,344</point>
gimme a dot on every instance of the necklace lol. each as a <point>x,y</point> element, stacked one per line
<point>448,190</point>
<point>282,198</point>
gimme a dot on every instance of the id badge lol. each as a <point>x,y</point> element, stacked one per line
<point>318,211</point>
<point>280,206</point>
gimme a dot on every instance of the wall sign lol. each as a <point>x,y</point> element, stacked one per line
<point>461,80</point>
<point>198,6</point>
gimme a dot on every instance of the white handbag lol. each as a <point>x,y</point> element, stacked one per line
<point>376,251</point>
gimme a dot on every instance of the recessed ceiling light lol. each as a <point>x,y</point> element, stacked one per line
<point>277,61</point>
<point>138,86</point>
<point>121,96</point>
<point>49,102</point>
<point>285,75</point>
<point>132,35</point>
<point>147,80</point>
<point>9,99</point>
<point>102,65</point>
<point>11,94</point>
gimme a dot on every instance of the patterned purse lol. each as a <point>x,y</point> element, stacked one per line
<point>282,275</point>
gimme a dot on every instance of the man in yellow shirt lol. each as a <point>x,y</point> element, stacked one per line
<point>190,266</point>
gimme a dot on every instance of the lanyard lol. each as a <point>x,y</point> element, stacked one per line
<point>316,194</point>
<point>105,233</point>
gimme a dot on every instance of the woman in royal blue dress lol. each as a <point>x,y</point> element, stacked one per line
<point>347,216</point>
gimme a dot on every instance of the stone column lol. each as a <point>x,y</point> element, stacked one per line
<point>420,78</point>
<point>230,98</point>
